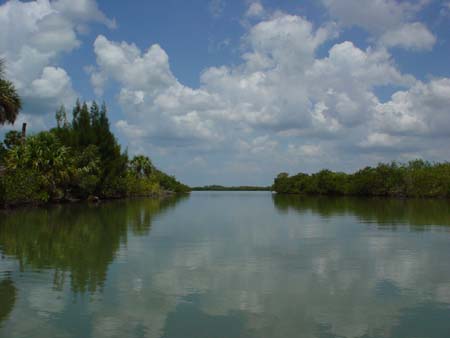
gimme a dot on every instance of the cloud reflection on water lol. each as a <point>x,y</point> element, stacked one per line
<point>249,265</point>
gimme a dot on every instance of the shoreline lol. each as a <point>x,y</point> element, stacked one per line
<point>91,200</point>
<point>396,197</point>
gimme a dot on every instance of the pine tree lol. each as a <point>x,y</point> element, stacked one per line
<point>61,117</point>
<point>103,121</point>
<point>76,114</point>
<point>64,118</point>
<point>84,129</point>
<point>114,163</point>
<point>84,120</point>
<point>95,115</point>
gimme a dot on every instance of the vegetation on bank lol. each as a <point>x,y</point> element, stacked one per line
<point>80,159</point>
<point>417,178</point>
<point>238,188</point>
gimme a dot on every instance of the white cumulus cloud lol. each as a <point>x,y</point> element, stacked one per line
<point>34,36</point>
<point>255,10</point>
<point>410,36</point>
<point>281,107</point>
<point>391,22</point>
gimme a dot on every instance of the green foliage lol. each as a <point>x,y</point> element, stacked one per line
<point>76,114</point>
<point>141,166</point>
<point>75,161</point>
<point>142,170</point>
<point>169,183</point>
<point>222,188</point>
<point>3,152</point>
<point>61,118</point>
<point>415,179</point>
<point>42,156</point>
<point>87,172</point>
<point>10,102</point>
<point>137,186</point>
<point>140,180</point>
<point>23,186</point>
<point>95,115</point>
<point>12,139</point>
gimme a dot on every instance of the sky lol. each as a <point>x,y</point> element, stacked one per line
<point>235,92</point>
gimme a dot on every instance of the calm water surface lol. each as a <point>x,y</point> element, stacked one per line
<point>228,264</point>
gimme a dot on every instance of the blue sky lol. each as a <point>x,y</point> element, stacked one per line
<point>233,92</point>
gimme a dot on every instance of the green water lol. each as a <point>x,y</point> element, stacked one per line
<point>227,264</point>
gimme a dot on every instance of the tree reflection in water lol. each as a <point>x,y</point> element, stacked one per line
<point>385,212</point>
<point>76,241</point>
<point>8,298</point>
<point>230,264</point>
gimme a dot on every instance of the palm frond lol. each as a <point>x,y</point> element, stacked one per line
<point>10,102</point>
<point>2,68</point>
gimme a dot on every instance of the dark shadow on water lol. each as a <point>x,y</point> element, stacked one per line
<point>385,212</point>
<point>431,320</point>
<point>8,294</point>
<point>428,320</point>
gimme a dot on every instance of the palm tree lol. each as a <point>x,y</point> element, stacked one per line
<point>43,154</point>
<point>141,166</point>
<point>10,102</point>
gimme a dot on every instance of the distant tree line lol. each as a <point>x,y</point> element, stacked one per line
<point>237,188</point>
<point>416,178</point>
<point>79,159</point>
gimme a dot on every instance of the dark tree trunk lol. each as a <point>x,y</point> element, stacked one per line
<point>24,132</point>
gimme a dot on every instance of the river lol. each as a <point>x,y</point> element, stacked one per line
<point>227,264</point>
